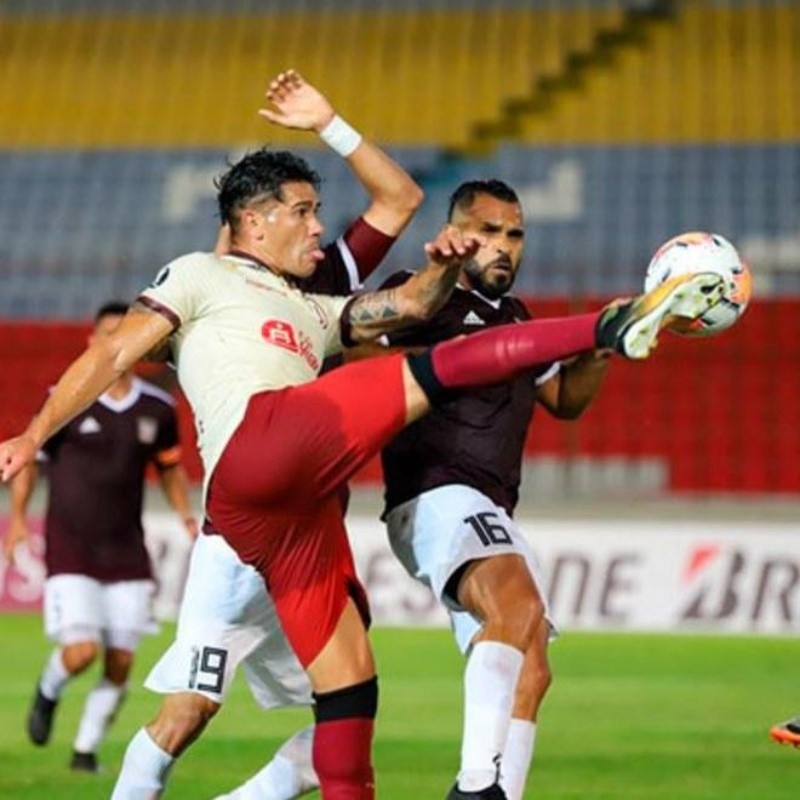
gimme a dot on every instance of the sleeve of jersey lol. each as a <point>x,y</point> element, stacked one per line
<point>168,449</point>
<point>350,260</point>
<point>176,292</point>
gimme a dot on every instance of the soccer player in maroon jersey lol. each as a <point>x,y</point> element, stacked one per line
<point>452,484</point>
<point>99,581</point>
<point>278,442</point>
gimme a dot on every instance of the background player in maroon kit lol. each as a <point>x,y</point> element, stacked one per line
<point>99,581</point>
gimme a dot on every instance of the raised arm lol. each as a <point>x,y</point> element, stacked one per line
<point>375,313</point>
<point>84,381</point>
<point>394,195</point>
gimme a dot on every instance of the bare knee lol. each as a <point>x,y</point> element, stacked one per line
<point>180,720</point>
<point>78,656</point>
<point>520,620</point>
<point>502,593</point>
<point>118,664</point>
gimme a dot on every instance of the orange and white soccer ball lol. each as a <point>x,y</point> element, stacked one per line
<point>704,252</point>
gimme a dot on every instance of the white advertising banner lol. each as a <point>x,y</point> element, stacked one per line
<point>628,575</point>
<point>727,577</point>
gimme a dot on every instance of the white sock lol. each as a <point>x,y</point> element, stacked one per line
<point>54,677</point>
<point>144,770</point>
<point>490,680</point>
<point>289,774</point>
<point>517,757</point>
<point>98,713</point>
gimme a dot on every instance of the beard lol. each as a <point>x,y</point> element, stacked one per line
<point>491,285</point>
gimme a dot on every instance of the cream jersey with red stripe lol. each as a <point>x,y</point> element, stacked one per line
<point>240,329</point>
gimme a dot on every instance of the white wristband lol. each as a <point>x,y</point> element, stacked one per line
<point>340,137</point>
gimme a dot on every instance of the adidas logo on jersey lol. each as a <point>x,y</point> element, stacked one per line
<point>473,319</point>
<point>89,425</point>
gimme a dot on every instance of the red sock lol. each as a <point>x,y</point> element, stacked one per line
<point>498,354</point>
<point>342,757</point>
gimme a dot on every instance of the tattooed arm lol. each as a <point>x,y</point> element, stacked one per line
<point>373,314</point>
<point>84,381</point>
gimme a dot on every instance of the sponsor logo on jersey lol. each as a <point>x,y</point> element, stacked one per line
<point>146,429</point>
<point>473,319</point>
<point>89,425</point>
<point>283,335</point>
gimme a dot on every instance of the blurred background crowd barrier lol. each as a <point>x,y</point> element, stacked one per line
<point>620,124</point>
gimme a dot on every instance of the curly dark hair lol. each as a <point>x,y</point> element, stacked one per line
<point>464,195</point>
<point>257,177</point>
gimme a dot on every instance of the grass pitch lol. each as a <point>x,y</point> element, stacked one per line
<point>628,718</point>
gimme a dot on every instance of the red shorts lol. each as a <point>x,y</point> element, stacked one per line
<point>275,493</point>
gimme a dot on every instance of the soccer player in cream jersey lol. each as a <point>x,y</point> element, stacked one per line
<point>452,482</point>
<point>278,442</point>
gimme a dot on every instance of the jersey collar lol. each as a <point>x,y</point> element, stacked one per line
<point>256,263</point>
<point>123,403</point>
<point>493,303</point>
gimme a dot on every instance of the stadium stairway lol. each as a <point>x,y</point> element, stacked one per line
<point>679,73</point>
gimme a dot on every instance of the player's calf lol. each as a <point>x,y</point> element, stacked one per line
<point>342,750</point>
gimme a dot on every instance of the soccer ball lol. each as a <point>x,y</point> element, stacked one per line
<point>704,252</point>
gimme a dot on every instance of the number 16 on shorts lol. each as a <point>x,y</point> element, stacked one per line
<point>488,530</point>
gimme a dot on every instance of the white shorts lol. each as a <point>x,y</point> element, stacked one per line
<point>80,609</point>
<point>441,530</point>
<point>227,619</point>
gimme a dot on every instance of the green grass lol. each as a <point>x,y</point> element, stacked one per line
<point>628,718</point>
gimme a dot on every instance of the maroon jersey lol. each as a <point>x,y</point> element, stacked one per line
<point>96,469</point>
<point>476,439</point>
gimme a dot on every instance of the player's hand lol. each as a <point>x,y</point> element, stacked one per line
<point>15,454</point>
<point>297,104</point>
<point>452,247</point>
<point>16,534</point>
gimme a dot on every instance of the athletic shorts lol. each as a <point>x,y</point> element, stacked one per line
<point>275,492</point>
<point>80,609</point>
<point>227,619</point>
<point>441,530</point>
